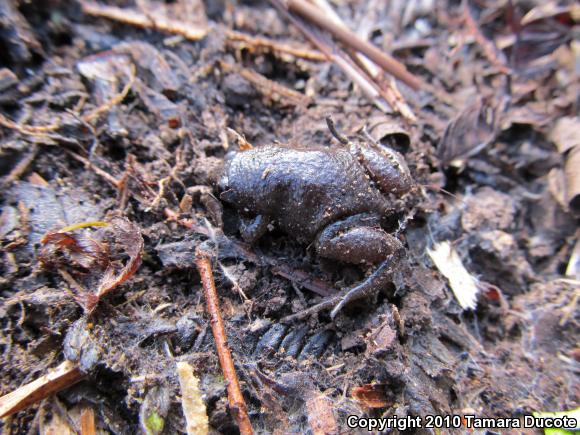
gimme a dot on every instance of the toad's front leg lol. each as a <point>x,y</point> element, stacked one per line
<point>352,241</point>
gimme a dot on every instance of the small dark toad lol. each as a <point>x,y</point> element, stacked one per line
<point>334,198</point>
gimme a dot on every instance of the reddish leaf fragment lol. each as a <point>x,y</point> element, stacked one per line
<point>78,252</point>
<point>492,293</point>
<point>373,395</point>
<point>95,258</point>
<point>128,238</point>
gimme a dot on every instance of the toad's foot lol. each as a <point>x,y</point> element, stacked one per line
<point>378,280</point>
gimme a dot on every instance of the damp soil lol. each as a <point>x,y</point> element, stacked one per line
<point>105,121</point>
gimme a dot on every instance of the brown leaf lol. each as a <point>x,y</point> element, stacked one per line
<point>542,32</point>
<point>565,136</point>
<point>470,132</point>
<point>372,395</point>
<point>77,251</point>
<point>92,257</point>
<point>128,237</point>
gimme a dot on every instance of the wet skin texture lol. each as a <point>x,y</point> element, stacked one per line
<point>334,198</point>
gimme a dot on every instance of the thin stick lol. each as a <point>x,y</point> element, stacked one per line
<point>88,426</point>
<point>138,19</point>
<point>389,64</point>
<point>353,71</point>
<point>387,88</point>
<point>42,130</point>
<point>108,177</point>
<point>495,57</point>
<point>235,398</point>
<point>176,27</point>
<point>235,36</point>
<point>65,375</point>
<point>20,167</point>
<point>266,86</point>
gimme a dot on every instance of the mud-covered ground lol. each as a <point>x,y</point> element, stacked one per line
<point>102,120</point>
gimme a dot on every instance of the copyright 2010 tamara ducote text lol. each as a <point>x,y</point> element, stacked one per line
<point>460,421</point>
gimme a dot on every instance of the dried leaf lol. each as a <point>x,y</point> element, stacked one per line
<point>565,136</point>
<point>372,395</point>
<point>550,10</point>
<point>463,284</point>
<point>77,251</point>
<point>470,132</point>
<point>565,133</point>
<point>573,180</point>
<point>573,267</point>
<point>541,37</point>
<point>128,237</point>
<point>88,255</point>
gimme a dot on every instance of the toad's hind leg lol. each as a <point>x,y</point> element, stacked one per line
<point>378,280</point>
<point>360,244</point>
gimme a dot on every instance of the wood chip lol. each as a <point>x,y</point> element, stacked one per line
<point>65,375</point>
<point>463,284</point>
<point>193,406</point>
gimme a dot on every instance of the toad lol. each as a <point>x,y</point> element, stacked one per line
<point>335,198</point>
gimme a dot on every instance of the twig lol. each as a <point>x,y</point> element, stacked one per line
<point>184,29</point>
<point>303,279</point>
<point>36,130</point>
<point>234,36</point>
<point>347,37</point>
<point>20,167</point>
<point>235,398</point>
<point>65,375</point>
<point>387,88</point>
<point>146,21</point>
<point>108,177</point>
<point>324,44</point>
<point>326,304</point>
<point>88,421</point>
<point>495,57</point>
<point>267,87</point>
